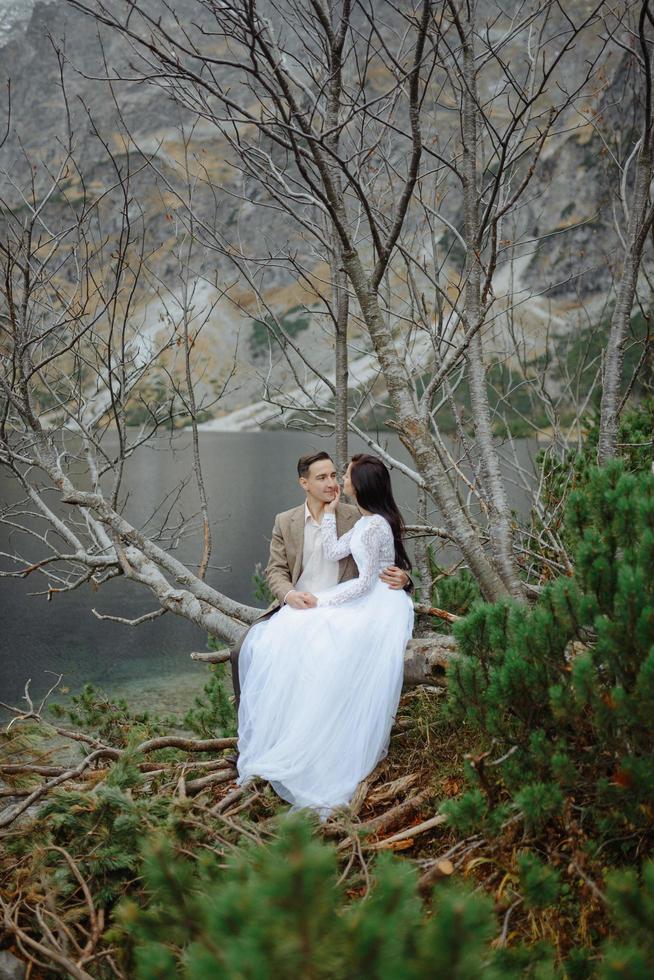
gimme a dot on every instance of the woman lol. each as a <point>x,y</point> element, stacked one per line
<point>320,687</point>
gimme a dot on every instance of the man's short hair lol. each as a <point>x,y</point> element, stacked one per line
<point>304,462</point>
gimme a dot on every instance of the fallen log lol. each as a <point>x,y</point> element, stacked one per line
<point>425,661</point>
<point>407,834</point>
<point>381,823</point>
<point>195,785</point>
<point>426,610</point>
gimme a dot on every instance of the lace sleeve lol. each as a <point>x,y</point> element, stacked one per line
<point>371,543</point>
<point>334,548</point>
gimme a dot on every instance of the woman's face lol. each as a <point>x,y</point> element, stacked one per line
<point>347,483</point>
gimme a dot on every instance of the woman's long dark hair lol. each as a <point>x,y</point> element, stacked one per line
<point>372,483</point>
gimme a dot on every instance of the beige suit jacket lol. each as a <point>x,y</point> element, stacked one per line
<point>287,546</point>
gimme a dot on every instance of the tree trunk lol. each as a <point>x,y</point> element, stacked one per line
<point>420,551</point>
<point>418,440</point>
<point>639,224</point>
<point>640,221</point>
<point>342,308</point>
<point>500,515</point>
<point>341,299</point>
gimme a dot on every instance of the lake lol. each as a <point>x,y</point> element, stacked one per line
<point>249,478</point>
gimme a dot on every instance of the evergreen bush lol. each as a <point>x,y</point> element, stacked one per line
<point>108,718</point>
<point>564,691</point>
<point>630,956</point>
<point>279,911</point>
<point>571,471</point>
<point>212,714</point>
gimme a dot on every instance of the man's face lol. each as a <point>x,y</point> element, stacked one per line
<point>320,483</point>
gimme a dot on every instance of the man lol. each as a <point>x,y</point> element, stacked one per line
<point>297,567</point>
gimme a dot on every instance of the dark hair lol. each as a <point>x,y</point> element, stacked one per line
<point>372,483</point>
<point>304,462</point>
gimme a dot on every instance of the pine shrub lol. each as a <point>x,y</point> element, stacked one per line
<point>109,718</point>
<point>562,475</point>
<point>565,689</point>
<point>279,911</point>
<point>630,956</point>
<point>212,714</point>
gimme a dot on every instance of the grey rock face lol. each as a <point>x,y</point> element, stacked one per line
<point>14,17</point>
<point>565,219</point>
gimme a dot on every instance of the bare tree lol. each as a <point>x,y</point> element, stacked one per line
<point>635,202</point>
<point>79,356</point>
<point>339,153</point>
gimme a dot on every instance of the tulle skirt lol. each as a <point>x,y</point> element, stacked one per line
<point>319,692</point>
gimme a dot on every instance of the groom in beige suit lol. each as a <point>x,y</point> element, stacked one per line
<point>297,566</point>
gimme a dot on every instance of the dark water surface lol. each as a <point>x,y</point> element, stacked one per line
<point>249,478</point>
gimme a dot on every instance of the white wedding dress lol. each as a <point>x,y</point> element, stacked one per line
<point>320,687</point>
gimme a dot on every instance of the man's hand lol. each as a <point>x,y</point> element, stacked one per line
<point>396,577</point>
<point>301,600</point>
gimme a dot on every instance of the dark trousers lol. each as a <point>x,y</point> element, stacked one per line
<point>236,684</point>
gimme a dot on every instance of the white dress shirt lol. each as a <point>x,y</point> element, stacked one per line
<point>318,572</point>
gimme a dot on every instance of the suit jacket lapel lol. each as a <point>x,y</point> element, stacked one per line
<point>297,543</point>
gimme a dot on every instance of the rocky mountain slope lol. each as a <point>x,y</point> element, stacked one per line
<point>558,276</point>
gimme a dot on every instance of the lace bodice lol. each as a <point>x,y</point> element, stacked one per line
<point>371,544</point>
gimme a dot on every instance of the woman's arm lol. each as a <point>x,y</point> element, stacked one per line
<point>371,539</point>
<point>334,548</point>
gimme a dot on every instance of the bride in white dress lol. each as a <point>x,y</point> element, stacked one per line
<point>320,687</point>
